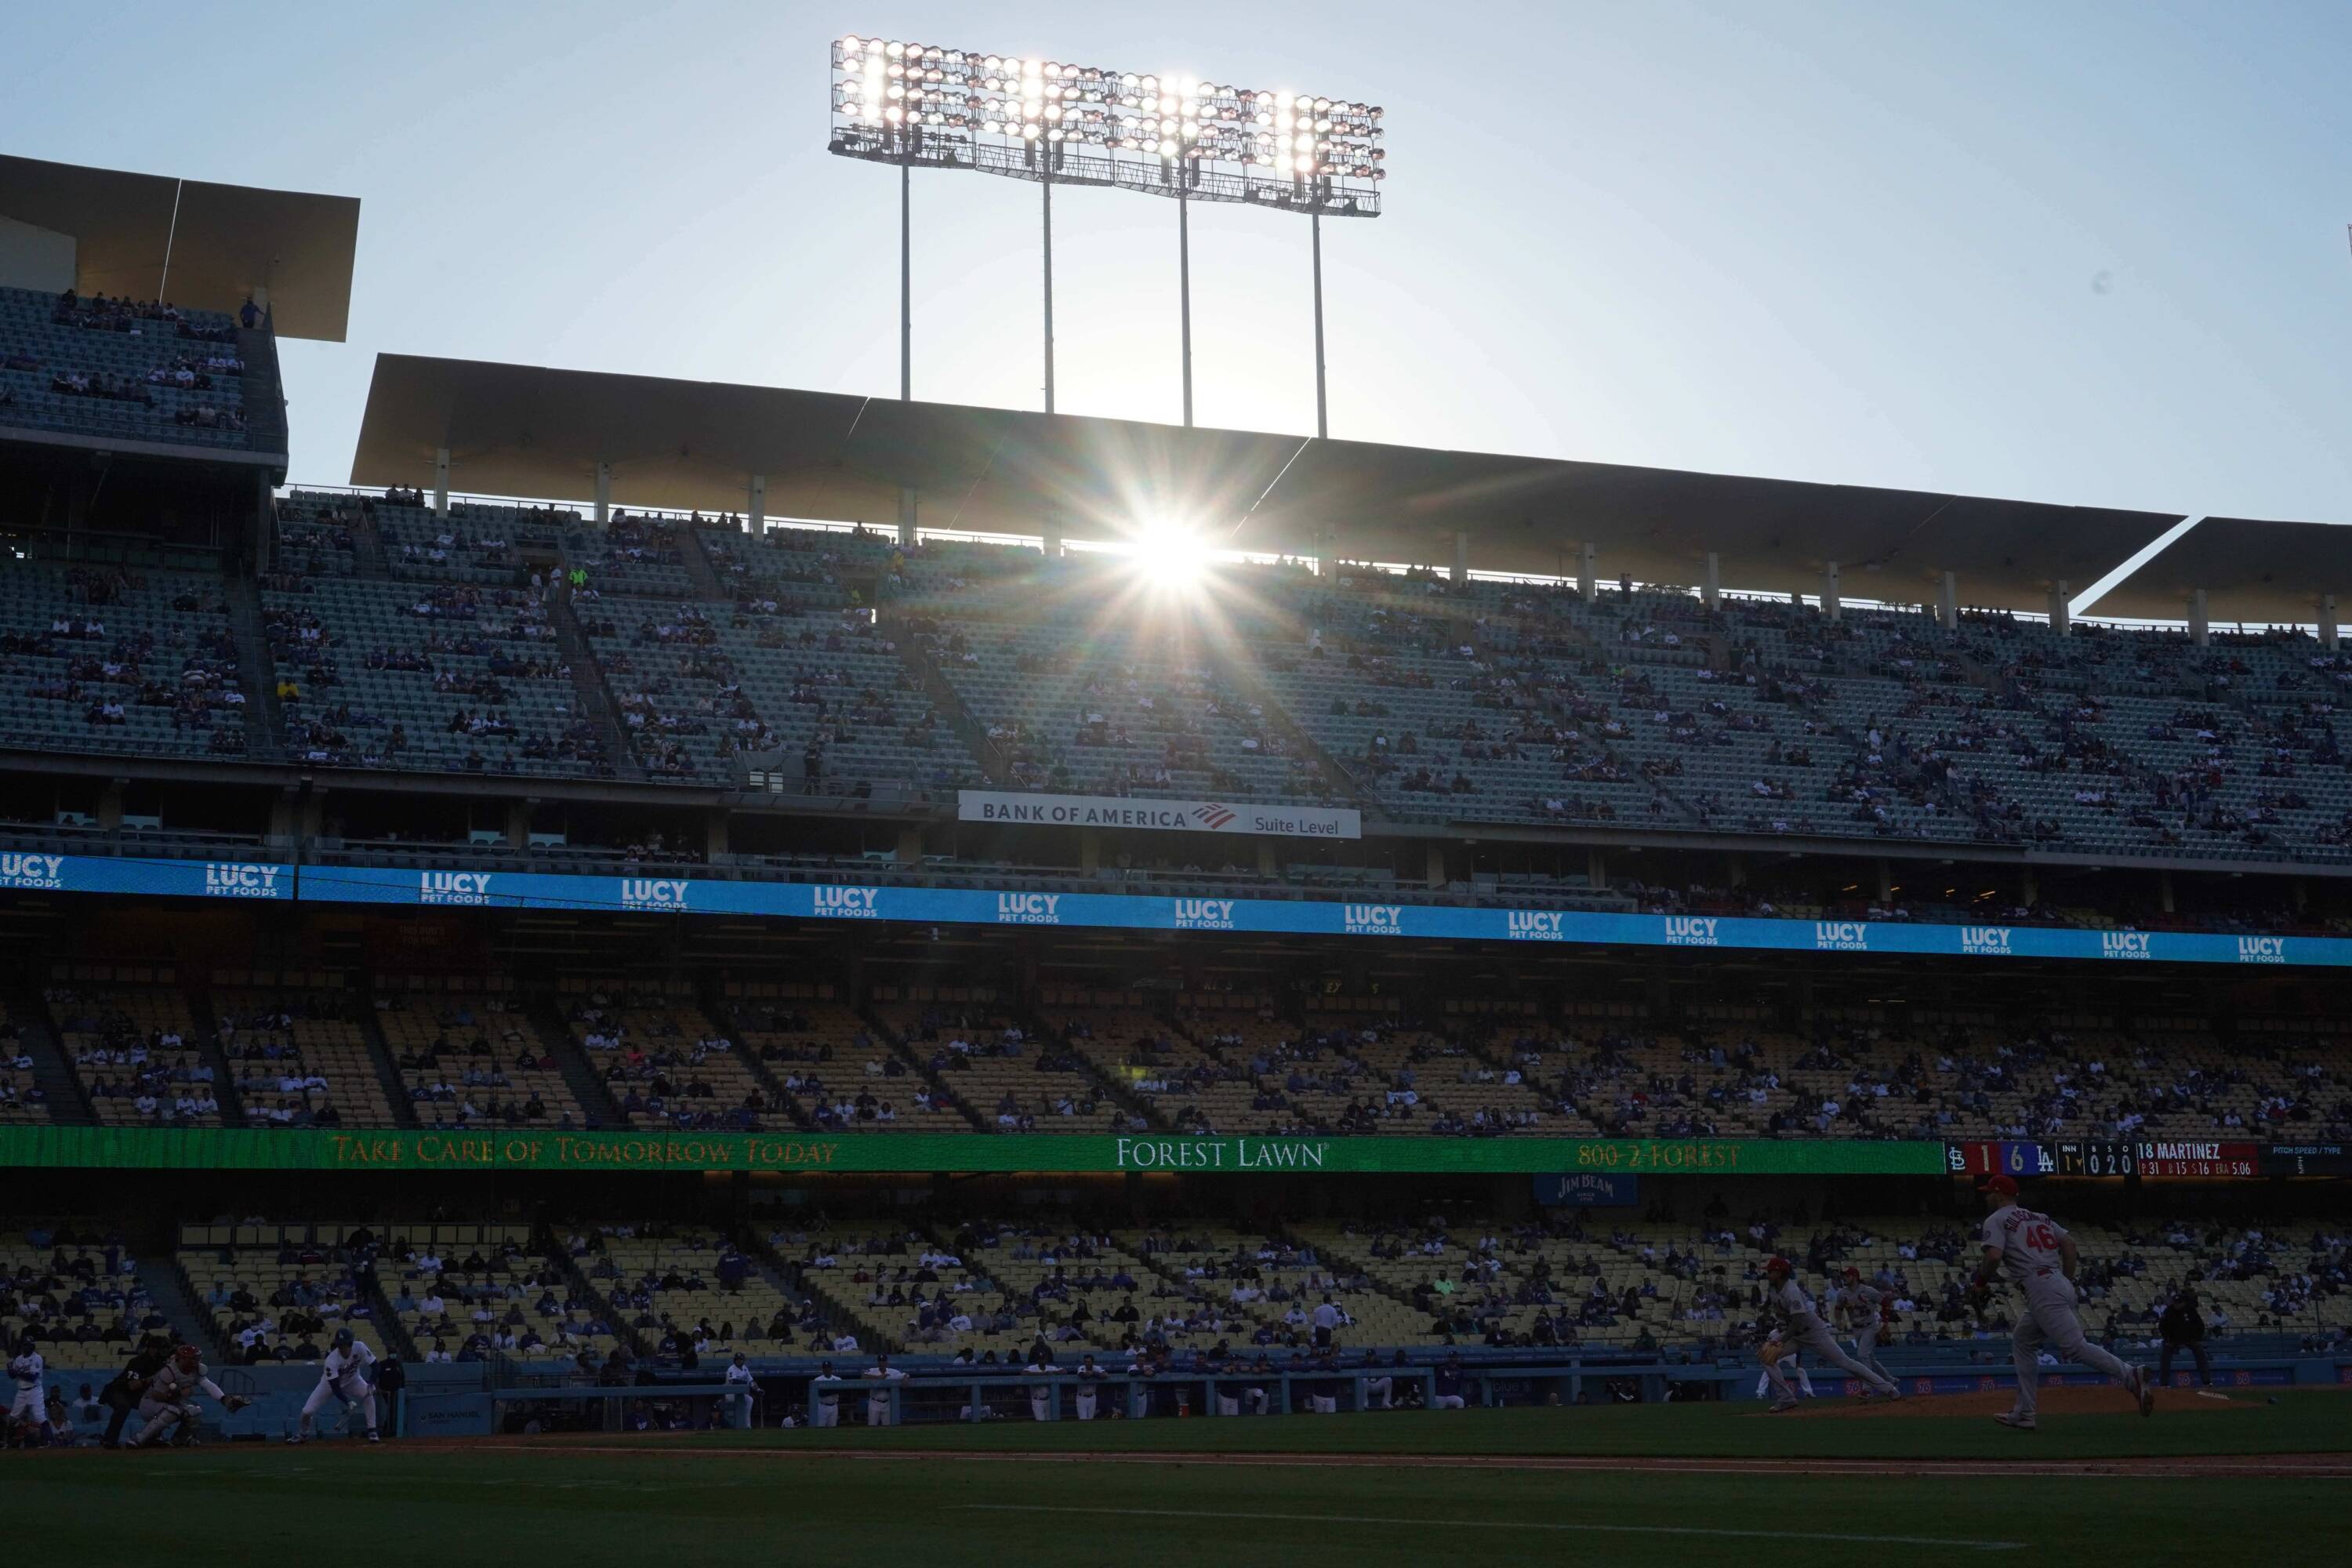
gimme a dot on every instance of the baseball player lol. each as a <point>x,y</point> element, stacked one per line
<point>1090,1381</point>
<point>882,1375</point>
<point>1041,1394</point>
<point>824,1397</point>
<point>342,1377</point>
<point>1801,1328</point>
<point>2038,1258</point>
<point>171,1396</point>
<point>1866,1312</point>
<point>25,1371</point>
<point>741,1379</point>
<point>1784,1376</point>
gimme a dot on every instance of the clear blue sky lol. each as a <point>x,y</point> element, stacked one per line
<point>2091,253</point>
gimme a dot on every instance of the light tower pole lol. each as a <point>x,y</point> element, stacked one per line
<point>1041,119</point>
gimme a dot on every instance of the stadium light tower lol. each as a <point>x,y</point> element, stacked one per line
<point>923,105</point>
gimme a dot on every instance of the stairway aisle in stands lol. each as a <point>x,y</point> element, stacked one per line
<point>205,1040</point>
<point>256,672</point>
<point>995,766</point>
<point>904,1051</point>
<point>1243,672</point>
<point>578,1073</point>
<point>167,1282</point>
<point>387,1070</point>
<point>367,544</point>
<point>698,569</point>
<point>595,692</point>
<point>51,1070</point>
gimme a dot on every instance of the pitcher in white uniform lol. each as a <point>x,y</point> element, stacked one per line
<point>2038,1258</point>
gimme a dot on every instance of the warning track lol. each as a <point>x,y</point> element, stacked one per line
<point>2285,1466</point>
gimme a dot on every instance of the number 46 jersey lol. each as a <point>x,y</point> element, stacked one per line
<point>2028,1241</point>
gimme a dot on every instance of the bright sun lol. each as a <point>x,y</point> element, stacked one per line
<point>1168,552</point>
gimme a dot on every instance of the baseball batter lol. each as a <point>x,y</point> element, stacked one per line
<point>2038,1258</point>
<point>342,1377</point>
<point>1801,1328</point>
<point>1865,1312</point>
<point>171,1396</point>
<point>25,1372</point>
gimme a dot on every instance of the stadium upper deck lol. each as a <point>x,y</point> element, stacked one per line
<point>497,641</point>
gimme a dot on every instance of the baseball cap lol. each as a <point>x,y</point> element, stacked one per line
<point>2005,1185</point>
<point>1778,1266</point>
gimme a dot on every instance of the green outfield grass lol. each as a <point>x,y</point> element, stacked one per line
<point>766,1499</point>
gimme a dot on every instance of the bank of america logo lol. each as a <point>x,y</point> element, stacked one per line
<point>1213,816</point>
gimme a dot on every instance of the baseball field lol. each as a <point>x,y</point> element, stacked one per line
<point>2211,1480</point>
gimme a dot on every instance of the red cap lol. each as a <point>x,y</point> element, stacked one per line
<point>1854,1273</point>
<point>1778,1266</point>
<point>2005,1185</point>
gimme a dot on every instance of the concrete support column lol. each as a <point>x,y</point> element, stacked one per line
<point>1585,572</point>
<point>1267,864</point>
<point>283,821</point>
<point>441,482</point>
<point>910,847</point>
<point>603,494</point>
<point>1052,529</point>
<point>2164,891</point>
<point>1830,606</point>
<point>714,835</point>
<point>1436,865</point>
<point>2029,888</point>
<point>1948,602</point>
<point>1461,557</point>
<point>758,504</point>
<point>1090,850</point>
<point>1711,589</point>
<point>2062,619</point>
<point>906,511</point>
<point>1885,880</point>
<point>1735,870</point>
<point>1596,867</point>
<point>518,825</point>
<point>110,805</point>
<point>2330,638</point>
<point>2200,631</point>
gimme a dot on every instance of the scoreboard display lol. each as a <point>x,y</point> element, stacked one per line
<point>2192,1158</point>
<point>2189,1157</point>
<point>2111,1158</point>
<point>2307,1160</point>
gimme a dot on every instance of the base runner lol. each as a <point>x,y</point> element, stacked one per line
<point>1803,1330</point>
<point>1866,1313</point>
<point>171,1396</point>
<point>2038,1258</point>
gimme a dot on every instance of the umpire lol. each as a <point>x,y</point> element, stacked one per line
<point>121,1395</point>
<point>2183,1329</point>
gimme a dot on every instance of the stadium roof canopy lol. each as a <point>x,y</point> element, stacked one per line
<point>195,243</point>
<point>524,430</point>
<point>2271,573</point>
